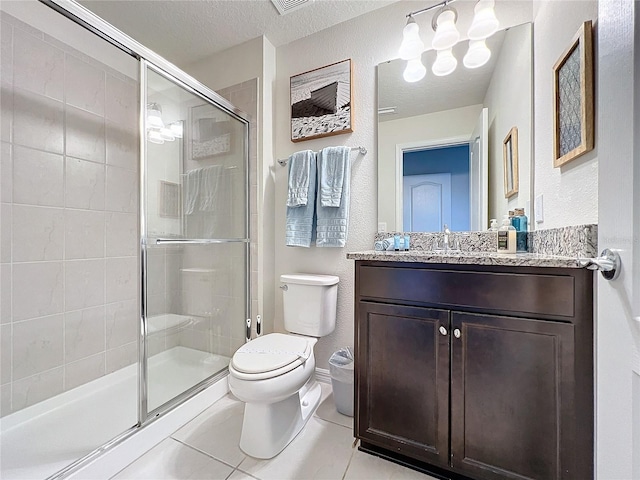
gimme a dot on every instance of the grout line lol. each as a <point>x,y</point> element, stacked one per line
<point>353,450</point>
<point>205,453</point>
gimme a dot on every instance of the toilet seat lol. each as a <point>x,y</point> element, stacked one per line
<point>270,356</point>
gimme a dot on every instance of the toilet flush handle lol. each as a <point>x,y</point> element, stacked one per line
<point>284,287</point>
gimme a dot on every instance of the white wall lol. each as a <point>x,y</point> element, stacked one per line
<point>439,126</point>
<point>570,192</point>
<point>510,105</point>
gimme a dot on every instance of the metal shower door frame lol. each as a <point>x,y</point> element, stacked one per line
<point>150,60</point>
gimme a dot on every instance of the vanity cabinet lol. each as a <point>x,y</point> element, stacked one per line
<point>484,371</point>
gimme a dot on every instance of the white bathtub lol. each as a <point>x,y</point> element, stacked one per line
<point>40,440</point>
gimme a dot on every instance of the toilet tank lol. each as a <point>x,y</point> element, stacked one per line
<point>309,303</point>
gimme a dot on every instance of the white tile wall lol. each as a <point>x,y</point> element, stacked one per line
<point>85,135</point>
<point>38,121</point>
<point>84,333</point>
<point>31,390</point>
<point>89,85</point>
<point>37,346</point>
<point>6,171</point>
<point>84,184</point>
<point>84,282</point>
<point>84,234</point>
<point>38,289</point>
<point>37,177</point>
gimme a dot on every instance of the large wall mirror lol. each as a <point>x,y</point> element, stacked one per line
<point>441,139</point>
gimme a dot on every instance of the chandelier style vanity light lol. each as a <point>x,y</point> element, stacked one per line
<point>446,36</point>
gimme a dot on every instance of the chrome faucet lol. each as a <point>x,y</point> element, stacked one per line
<point>447,232</point>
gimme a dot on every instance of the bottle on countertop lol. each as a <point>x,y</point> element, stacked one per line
<point>506,237</point>
<point>407,242</point>
<point>522,227</point>
<point>493,227</point>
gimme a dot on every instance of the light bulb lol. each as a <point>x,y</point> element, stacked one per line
<point>411,46</point>
<point>154,136</point>
<point>415,70</point>
<point>445,63</point>
<point>154,116</point>
<point>176,128</point>
<point>447,34</point>
<point>477,55</point>
<point>166,135</point>
<point>485,22</point>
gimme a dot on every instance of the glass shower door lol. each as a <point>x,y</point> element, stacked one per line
<point>195,239</point>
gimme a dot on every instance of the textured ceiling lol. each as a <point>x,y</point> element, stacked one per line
<point>434,94</point>
<point>184,31</point>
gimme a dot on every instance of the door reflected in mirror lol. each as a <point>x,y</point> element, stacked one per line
<point>440,150</point>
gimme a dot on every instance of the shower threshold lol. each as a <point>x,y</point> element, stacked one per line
<point>42,439</point>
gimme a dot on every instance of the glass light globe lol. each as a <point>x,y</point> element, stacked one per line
<point>412,46</point>
<point>445,63</point>
<point>477,55</point>
<point>166,135</point>
<point>415,70</point>
<point>154,136</point>
<point>447,34</point>
<point>485,23</point>
<point>154,116</point>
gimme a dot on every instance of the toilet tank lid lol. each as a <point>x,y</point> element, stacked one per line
<point>309,279</point>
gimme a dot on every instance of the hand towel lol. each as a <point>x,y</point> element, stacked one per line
<point>383,245</point>
<point>210,185</point>
<point>332,172</point>
<point>299,168</point>
<point>300,228</point>
<point>333,223</point>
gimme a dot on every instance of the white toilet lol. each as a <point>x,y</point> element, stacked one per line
<point>275,374</point>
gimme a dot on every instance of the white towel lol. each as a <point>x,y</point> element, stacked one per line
<point>299,168</point>
<point>210,186</point>
<point>332,172</point>
<point>192,191</point>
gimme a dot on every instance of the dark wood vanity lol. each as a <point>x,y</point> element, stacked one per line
<point>478,371</point>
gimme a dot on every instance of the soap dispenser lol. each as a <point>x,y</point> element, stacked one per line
<point>506,237</point>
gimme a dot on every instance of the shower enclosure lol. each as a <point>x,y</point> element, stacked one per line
<point>125,236</point>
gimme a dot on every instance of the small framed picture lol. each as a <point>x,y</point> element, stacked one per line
<point>321,102</point>
<point>510,160</point>
<point>573,99</point>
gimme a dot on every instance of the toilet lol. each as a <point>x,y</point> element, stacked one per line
<point>275,374</point>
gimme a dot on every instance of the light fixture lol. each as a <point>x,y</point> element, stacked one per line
<point>415,70</point>
<point>477,55</point>
<point>444,24</point>
<point>484,22</point>
<point>154,116</point>
<point>176,128</point>
<point>446,35</point>
<point>154,136</point>
<point>445,63</point>
<point>411,46</point>
<point>166,135</point>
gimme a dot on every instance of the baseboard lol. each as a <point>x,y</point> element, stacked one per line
<point>322,375</point>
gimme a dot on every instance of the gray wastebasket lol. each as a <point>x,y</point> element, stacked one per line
<point>341,370</point>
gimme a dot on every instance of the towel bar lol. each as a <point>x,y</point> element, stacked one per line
<point>361,151</point>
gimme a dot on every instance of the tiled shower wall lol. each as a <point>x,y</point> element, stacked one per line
<point>69,221</point>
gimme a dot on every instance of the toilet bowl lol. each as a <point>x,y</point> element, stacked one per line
<point>275,374</point>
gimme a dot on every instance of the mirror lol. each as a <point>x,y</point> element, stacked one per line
<point>441,139</point>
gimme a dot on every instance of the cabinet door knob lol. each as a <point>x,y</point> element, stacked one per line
<point>443,330</point>
<point>457,333</point>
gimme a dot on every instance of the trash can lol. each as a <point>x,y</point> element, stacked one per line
<point>341,370</point>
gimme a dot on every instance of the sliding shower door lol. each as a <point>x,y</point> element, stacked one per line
<point>195,238</point>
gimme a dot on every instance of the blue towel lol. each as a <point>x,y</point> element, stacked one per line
<point>300,224</point>
<point>333,222</point>
<point>332,173</point>
<point>299,168</point>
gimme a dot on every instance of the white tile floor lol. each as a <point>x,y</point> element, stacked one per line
<point>207,448</point>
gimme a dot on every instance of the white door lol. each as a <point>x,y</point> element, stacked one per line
<point>426,202</point>
<point>618,302</point>
<point>479,172</point>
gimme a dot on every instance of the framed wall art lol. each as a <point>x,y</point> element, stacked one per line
<point>321,102</point>
<point>573,99</point>
<point>510,160</point>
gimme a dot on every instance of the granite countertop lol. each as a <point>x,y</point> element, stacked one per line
<point>468,258</point>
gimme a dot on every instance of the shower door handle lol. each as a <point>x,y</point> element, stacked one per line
<point>197,241</point>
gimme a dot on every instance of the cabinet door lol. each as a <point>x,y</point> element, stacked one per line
<point>512,383</point>
<point>402,400</point>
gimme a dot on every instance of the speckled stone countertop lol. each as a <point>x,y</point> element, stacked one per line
<point>468,258</point>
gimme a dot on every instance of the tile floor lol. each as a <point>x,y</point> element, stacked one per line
<point>207,448</point>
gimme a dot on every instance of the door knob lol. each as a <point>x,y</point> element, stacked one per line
<point>608,263</point>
